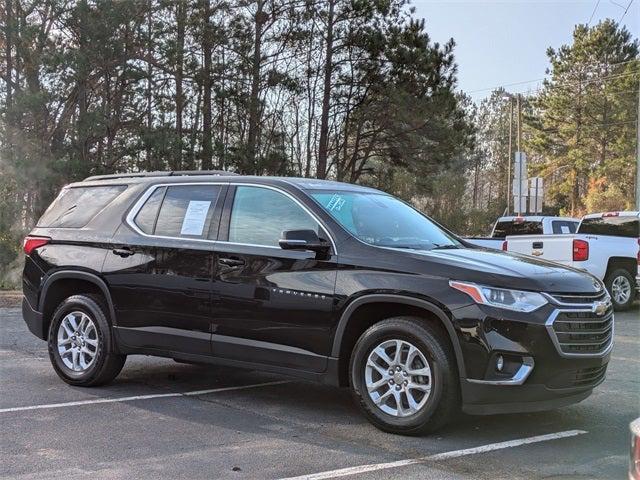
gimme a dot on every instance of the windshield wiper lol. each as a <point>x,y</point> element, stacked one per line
<point>445,247</point>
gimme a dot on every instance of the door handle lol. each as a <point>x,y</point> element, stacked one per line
<point>123,252</point>
<point>231,262</point>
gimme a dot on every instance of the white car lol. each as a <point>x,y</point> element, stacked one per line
<point>607,245</point>
<point>529,225</point>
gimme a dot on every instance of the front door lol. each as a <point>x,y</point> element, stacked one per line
<point>160,271</point>
<point>270,306</point>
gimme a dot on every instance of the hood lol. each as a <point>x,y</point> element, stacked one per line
<point>508,270</point>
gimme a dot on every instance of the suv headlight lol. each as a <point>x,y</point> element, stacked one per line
<point>517,300</point>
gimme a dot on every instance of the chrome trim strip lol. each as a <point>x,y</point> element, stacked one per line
<point>129,219</point>
<point>556,342</point>
<point>518,378</point>
<point>597,297</point>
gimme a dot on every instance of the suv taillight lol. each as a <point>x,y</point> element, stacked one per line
<point>638,255</point>
<point>580,250</point>
<point>31,243</point>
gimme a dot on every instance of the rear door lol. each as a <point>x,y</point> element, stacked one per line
<point>270,306</point>
<point>160,270</point>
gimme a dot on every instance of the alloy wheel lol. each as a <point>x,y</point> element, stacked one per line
<point>398,378</point>
<point>77,341</point>
<point>621,289</point>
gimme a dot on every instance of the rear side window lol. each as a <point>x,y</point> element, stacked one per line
<point>614,226</point>
<point>504,229</point>
<point>148,214</point>
<point>186,211</point>
<point>76,206</point>
<point>562,226</point>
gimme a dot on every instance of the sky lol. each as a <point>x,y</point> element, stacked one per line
<point>502,42</point>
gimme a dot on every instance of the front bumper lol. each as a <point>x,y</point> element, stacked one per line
<point>543,374</point>
<point>33,319</point>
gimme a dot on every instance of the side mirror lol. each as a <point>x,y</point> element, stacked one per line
<point>303,240</point>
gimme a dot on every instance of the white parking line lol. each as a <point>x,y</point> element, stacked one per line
<point>139,397</point>
<point>343,472</point>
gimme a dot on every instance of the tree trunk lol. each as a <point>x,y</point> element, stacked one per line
<point>207,148</point>
<point>254,100</point>
<point>326,96</point>
<point>176,160</point>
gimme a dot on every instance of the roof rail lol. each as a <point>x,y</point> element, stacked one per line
<point>173,173</point>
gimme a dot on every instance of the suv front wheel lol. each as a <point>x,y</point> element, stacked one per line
<point>80,342</point>
<point>403,376</point>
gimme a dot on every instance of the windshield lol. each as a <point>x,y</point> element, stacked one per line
<point>383,220</point>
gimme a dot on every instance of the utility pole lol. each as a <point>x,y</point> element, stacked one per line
<point>638,153</point>
<point>519,121</point>
<point>519,142</point>
<point>510,158</point>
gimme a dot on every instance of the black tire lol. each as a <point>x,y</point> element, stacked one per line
<point>444,399</point>
<point>106,364</point>
<point>621,274</point>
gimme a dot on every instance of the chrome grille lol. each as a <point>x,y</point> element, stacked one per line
<point>581,332</point>
<point>577,298</point>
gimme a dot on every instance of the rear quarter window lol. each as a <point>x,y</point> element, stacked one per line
<point>613,226</point>
<point>76,206</point>
<point>504,229</point>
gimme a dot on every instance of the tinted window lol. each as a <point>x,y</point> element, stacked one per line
<point>614,226</point>
<point>562,226</point>
<point>383,220</point>
<point>187,211</point>
<point>75,206</point>
<point>510,227</point>
<point>146,217</point>
<point>260,215</point>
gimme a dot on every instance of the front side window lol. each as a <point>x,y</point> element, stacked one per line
<point>184,211</point>
<point>260,215</point>
<point>383,220</point>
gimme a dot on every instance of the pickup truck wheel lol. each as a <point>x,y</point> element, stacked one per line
<point>80,342</point>
<point>403,376</point>
<point>621,286</point>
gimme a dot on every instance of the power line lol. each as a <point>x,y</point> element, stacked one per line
<point>560,83</point>
<point>593,13</point>
<point>625,11</point>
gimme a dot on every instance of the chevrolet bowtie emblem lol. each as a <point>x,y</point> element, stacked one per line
<point>600,308</point>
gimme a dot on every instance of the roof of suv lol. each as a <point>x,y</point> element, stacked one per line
<point>217,176</point>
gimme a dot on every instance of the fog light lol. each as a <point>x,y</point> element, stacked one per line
<point>499,363</point>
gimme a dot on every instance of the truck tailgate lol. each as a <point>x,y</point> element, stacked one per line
<point>557,248</point>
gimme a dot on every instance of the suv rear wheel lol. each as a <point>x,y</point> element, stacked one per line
<point>403,376</point>
<point>80,342</point>
<point>621,286</point>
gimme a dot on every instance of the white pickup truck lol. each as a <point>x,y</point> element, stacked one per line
<point>530,225</point>
<point>607,245</point>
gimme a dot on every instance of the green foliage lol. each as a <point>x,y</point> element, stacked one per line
<point>586,119</point>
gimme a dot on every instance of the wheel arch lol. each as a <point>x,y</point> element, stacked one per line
<point>627,263</point>
<point>344,340</point>
<point>64,283</point>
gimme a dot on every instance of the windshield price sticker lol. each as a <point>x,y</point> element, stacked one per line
<point>195,217</point>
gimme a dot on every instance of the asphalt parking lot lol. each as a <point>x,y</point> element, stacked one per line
<point>160,419</point>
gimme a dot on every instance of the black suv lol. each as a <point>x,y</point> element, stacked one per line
<point>318,279</point>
